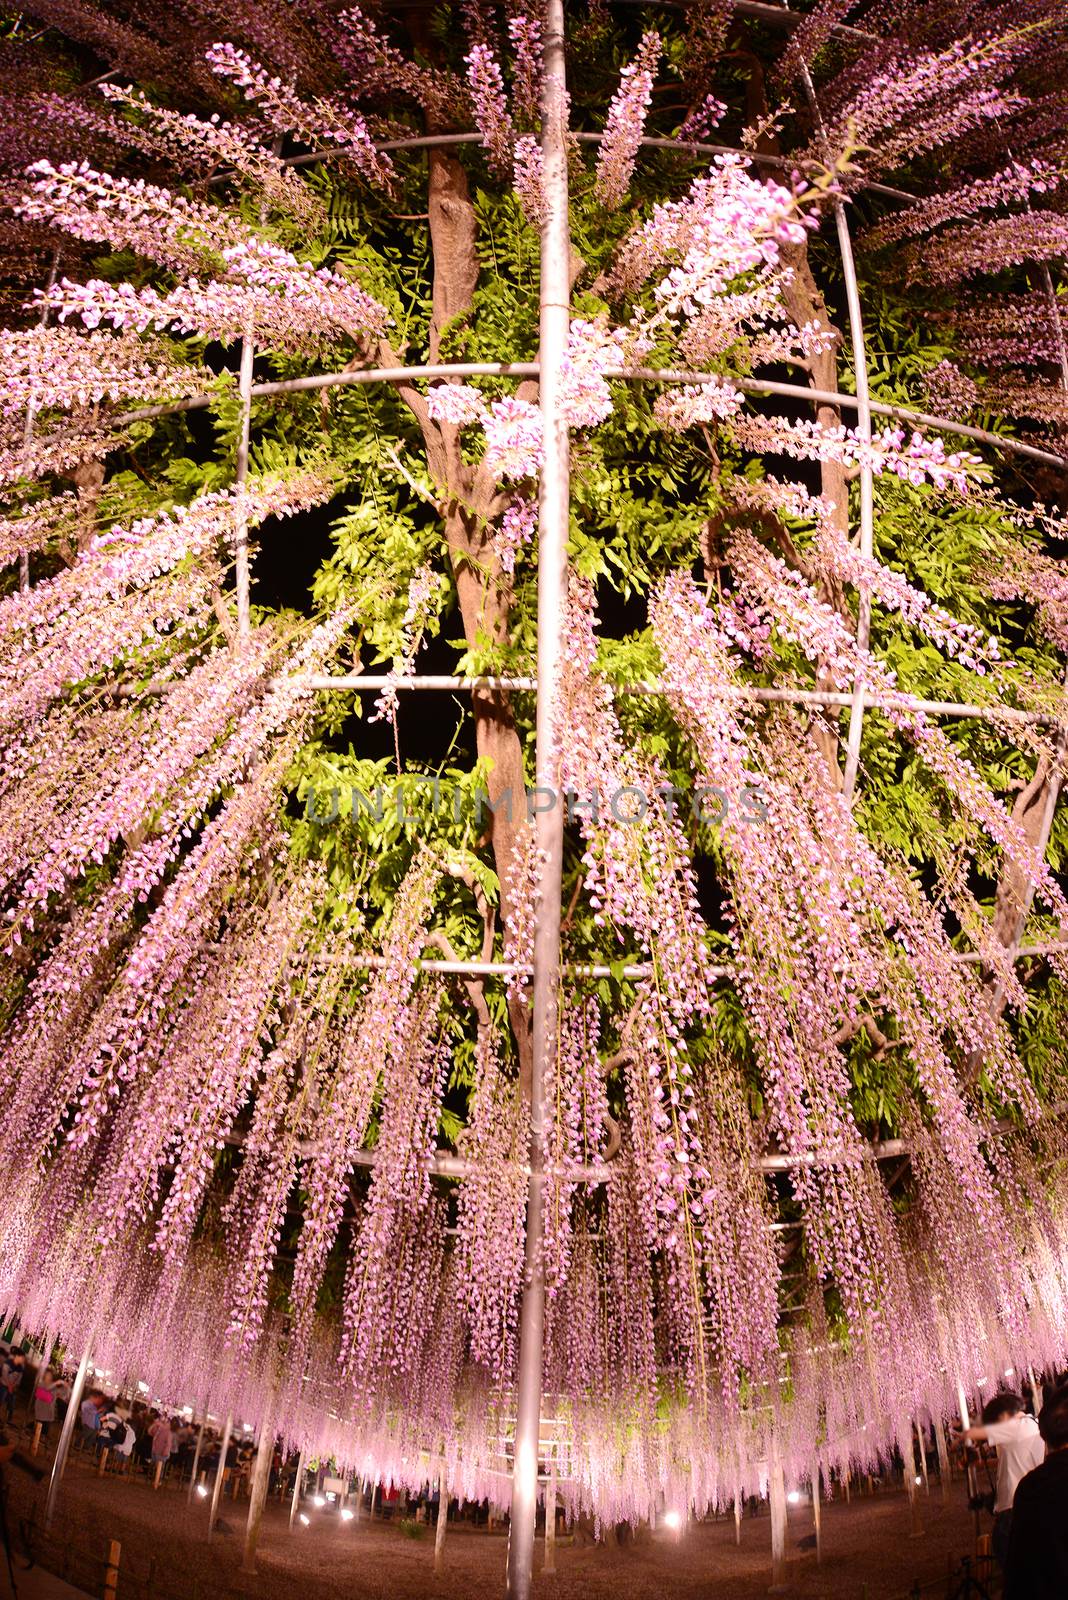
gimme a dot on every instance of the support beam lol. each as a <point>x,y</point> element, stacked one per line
<point>220,1473</point>
<point>668,375</point>
<point>66,1433</point>
<point>553,517</point>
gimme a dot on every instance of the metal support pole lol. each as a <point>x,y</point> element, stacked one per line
<point>67,1433</point>
<point>220,1473</point>
<point>297,1484</point>
<point>867,492</point>
<point>241,572</point>
<point>553,514</point>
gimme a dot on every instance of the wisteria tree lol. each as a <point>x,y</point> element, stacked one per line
<point>267,1002</point>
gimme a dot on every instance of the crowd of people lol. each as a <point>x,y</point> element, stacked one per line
<point>1028,1497</point>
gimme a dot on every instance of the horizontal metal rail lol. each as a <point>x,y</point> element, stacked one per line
<point>682,147</point>
<point>375,683</point>
<point>631,970</point>
<point>669,375</point>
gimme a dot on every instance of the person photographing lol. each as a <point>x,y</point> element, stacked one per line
<point>1015,1435</point>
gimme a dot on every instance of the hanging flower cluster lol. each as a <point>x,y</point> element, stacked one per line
<point>626,124</point>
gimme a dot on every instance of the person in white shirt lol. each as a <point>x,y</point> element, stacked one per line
<point>1020,1448</point>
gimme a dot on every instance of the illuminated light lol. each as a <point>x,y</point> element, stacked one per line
<point>304,1519</point>
<point>142,1386</point>
<point>346,1514</point>
<point>317,1500</point>
<point>794,1497</point>
<point>202,1491</point>
<point>672,1519</point>
<point>1009,1371</point>
<point>330,1495</point>
<point>917,1479</point>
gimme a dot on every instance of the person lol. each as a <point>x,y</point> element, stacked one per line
<point>1036,1563</point>
<point>11,1370</point>
<point>1006,1425</point>
<point>62,1388</point>
<point>44,1401</point>
<point>91,1409</point>
<point>160,1434</point>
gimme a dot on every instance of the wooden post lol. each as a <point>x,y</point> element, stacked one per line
<point>158,1474</point>
<point>945,1465</point>
<point>220,1472</point>
<point>817,1512</point>
<point>36,1445</point>
<point>737,1518</point>
<point>374,1491</point>
<point>847,1477</point>
<point>111,1571</point>
<point>102,1464</point>
<point>777,1500</point>
<point>261,1477</point>
<point>549,1564</point>
<point>443,1520</point>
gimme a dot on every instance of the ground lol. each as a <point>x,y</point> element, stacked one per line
<point>868,1552</point>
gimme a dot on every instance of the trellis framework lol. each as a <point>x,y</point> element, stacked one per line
<point>551,584</point>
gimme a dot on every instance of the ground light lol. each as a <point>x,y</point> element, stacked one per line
<point>319,1501</point>
<point>304,1519</point>
<point>672,1520</point>
<point>794,1497</point>
<point>346,1514</point>
<point>202,1490</point>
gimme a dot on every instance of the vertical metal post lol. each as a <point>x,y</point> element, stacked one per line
<point>553,516</point>
<point>241,569</point>
<point>67,1433</point>
<point>867,493</point>
<point>298,1482</point>
<point>220,1473</point>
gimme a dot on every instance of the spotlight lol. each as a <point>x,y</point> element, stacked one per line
<point>672,1520</point>
<point>319,1501</point>
<point>794,1497</point>
<point>346,1514</point>
<point>304,1520</point>
<point>202,1491</point>
<point>917,1479</point>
